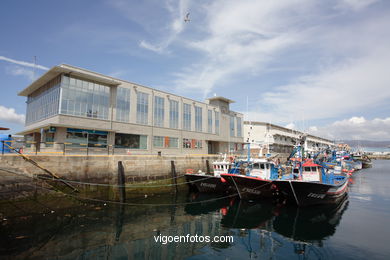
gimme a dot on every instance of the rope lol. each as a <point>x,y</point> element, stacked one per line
<point>139,204</point>
<point>125,186</point>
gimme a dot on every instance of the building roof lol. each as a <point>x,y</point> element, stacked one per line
<point>222,99</point>
<point>68,69</point>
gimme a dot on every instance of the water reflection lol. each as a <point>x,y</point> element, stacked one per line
<point>85,231</point>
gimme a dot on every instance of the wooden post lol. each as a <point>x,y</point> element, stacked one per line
<point>174,175</point>
<point>121,182</point>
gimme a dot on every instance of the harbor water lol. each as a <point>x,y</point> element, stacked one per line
<point>65,228</point>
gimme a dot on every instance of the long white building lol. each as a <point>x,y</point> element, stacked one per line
<point>265,137</point>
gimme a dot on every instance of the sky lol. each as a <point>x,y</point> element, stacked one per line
<point>317,66</point>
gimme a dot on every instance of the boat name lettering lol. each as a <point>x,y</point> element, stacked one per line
<point>209,185</point>
<point>317,196</point>
<point>254,191</point>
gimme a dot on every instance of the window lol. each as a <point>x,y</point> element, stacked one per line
<point>231,126</point>
<point>84,137</point>
<point>158,111</point>
<point>216,122</point>
<point>239,134</point>
<point>186,143</point>
<point>313,169</point>
<point>192,143</point>
<point>262,166</point>
<point>173,114</point>
<point>142,108</point>
<point>158,141</point>
<point>307,169</point>
<point>84,98</point>
<point>123,104</point>
<point>209,121</point>
<point>44,102</point>
<point>173,142</point>
<point>187,117</point>
<point>130,141</point>
<point>198,119</point>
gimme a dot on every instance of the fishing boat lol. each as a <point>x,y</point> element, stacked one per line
<point>256,182</point>
<point>210,183</point>
<point>313,186</point>
<point>363,158</point>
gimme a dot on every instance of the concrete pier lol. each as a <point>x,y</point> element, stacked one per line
<point>85,171</point>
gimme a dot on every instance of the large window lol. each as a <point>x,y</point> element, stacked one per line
<point>165,142</point>
<point>239,131</point>
<point>158,111</point>
<point>198,119</point>
<point>84,137</point>
<point>186,116</point>
<point>130,141</point>
<point>44,102</point>
<point>123,104</point>
<point>231,126</point>
<point>173,114</point>
<point>158,141</point>
<point>84,98</point>
<point>142,108</point>
<point>173,142</point>
<point>216,122</point>
<point>192,143</point>
<point>209,121</point>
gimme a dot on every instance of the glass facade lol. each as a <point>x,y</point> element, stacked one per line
<point>123,104</point>
<point>84,98</point>
<point>44,102</point>
<point>158,111</point>
<point>187,117</point>
<point>239,130</point>
<point>173,114</point>
<point>198,119</point>
<point>130,141</point>
<point>209,121</point>
<point>216,122</point>
<point>142,108</point>
<point>231,128</point>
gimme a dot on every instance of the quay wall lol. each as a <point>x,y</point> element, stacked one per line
<point>85,171</point>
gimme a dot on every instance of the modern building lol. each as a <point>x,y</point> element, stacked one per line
<point>269,138</point>
<point>78,107</point>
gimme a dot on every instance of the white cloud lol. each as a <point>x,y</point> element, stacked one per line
<point>24,63</point>
<point>20,71</point>
<point>356,5</point>
<point>355,128</point>
<point>9,115</point>
<point>290,126</point>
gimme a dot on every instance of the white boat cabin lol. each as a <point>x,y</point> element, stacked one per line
<point>311,172</point>
<point>261,169</point>
<point>221,167</point>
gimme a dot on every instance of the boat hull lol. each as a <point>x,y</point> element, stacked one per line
<point>311,193</point>
<point>249,188</point>
<point>207,183</point>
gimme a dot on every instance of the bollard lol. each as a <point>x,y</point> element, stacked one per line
<point>121,182</point>
<point>174,175</point>
<point>207,167</point>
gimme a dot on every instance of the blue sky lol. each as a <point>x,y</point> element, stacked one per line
<point>318,66</point>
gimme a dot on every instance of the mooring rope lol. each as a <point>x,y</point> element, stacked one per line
<point>141,204</point>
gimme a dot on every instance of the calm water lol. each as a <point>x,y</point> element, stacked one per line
<point>357,228</point>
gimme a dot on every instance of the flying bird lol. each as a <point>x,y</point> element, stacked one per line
<point>187,18</point>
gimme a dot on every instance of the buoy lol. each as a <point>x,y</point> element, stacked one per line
<point>223,179</point>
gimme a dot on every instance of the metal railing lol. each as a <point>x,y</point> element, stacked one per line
<point>84,149</point>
